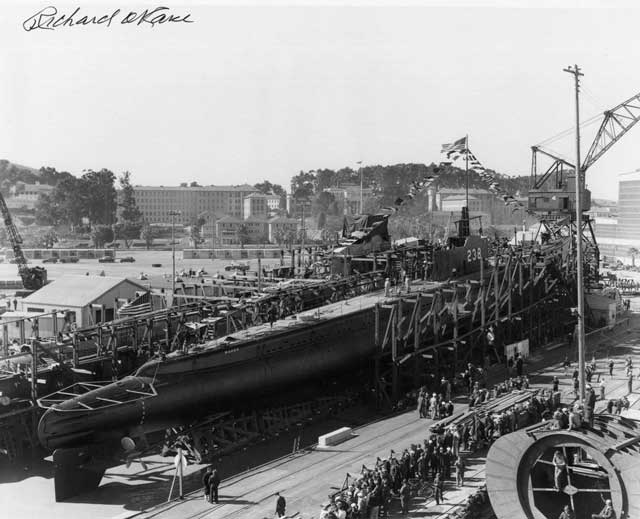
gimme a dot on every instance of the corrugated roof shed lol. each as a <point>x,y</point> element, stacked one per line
<point>76,291</point>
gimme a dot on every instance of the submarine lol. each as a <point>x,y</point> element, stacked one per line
<point>92,431</point>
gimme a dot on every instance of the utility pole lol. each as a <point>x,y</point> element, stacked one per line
<point>575,71</point>
<point>304,231</point>
<point>361,198</point>
<point>173,214</point>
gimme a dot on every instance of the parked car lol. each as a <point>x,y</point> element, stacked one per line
<point>127,259</point>
<point>50,260</point>
<point>106,259</point>
<point>70,259</point>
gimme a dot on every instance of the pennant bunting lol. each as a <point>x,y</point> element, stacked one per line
<point>459,150</point>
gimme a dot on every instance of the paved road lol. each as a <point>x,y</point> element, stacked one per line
<point>144,260</point>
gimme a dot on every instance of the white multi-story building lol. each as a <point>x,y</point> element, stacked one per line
<point>157,202</point>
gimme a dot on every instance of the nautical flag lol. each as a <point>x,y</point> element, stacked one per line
<point>140,305</point>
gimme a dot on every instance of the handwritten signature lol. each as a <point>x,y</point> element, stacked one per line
<point>50,18</point>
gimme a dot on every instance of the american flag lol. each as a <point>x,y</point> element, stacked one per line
<point>140,305</point>
<point>454,150</point>
<point>460,145</point>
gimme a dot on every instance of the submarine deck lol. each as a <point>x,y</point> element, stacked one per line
<point>323,313</point>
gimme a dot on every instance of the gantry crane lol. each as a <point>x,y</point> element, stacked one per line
<point>552,193</point>
<point>33,278</point>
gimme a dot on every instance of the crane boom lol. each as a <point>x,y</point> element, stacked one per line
<point>550,191</point>
<point>617,121</point>
<point>32,278</point>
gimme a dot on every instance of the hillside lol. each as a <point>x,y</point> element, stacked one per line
<point>11,173</point>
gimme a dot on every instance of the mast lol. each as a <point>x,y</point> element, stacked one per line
<point>466,167</point>
<point>575,71</point>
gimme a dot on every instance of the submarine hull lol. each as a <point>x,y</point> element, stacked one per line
<point>185,386</point>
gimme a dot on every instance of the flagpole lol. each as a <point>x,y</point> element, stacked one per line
<point>466,166</point>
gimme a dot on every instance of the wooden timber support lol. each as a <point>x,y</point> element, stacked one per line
<point>223,433</point>
<point>448,326</point>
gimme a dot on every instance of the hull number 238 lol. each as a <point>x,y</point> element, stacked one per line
<point>474,254</point>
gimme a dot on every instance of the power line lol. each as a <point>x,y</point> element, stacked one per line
<point>569,131</point>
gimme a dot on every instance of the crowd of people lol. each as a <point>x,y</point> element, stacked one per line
<point>440,461</point>
<point>398,477</point>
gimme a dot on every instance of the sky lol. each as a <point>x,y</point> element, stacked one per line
<point>253,92</point>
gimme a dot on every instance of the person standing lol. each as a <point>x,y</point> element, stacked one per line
<point>205,484</point>
<point>281,505</point>
<point>556,384</point>
<point>405,495</point>
<point>272,313</point>
<point>610,368</point>
<point>566,364</point>
<point>559,467</point>
<point>519,366</point>
<point>214,483</point>
<point>459,464</point>
<point>589,405</point>
<point>630,382</point>
<point>438,484</point>
<point>421,397</point>
<point>602,388</point>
